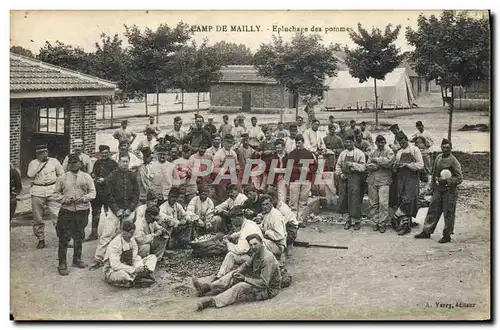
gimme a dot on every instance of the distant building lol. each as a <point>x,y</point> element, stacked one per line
<point>419,85</point>
<point>53,106</point>
<point>240,87</point>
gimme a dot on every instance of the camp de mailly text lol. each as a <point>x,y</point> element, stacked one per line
<point>259,28</point>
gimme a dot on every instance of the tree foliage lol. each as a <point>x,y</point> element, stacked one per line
<point>300,65</point>
<point>21,51</point>
<point>229,53</point>
<point>110,61</point>
<point>206,67</point>
<point>66,56</point>
<point>454,49</point>
<point>375,55</point>
<point>152,53</point>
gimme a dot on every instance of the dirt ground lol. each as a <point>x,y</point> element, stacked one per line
<point>380,276</point>
<point>434,119</point>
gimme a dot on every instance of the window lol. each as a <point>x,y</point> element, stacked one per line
<point>51,120</point>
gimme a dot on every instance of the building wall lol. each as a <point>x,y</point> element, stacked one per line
<point>23,116</point>
<point>262,95</point>
<point>83,123</point>
<point>15,133</point>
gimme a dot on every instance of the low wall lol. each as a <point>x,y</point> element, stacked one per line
<point>229,110</point>
<point>471,104</point>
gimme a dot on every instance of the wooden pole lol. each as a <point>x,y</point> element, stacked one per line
<point>157,104</point>
<point>198,103</point>
<point>442,95</point>
<point>282,103</point>
<point>146,101</point>
<point>103,109</point>
<point>297,106</point>
<point>182,99</point>
<point>112,99</point>
<point>376,103</point>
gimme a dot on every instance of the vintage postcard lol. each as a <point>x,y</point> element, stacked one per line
<point>250,165</point>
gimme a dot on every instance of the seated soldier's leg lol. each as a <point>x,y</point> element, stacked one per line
<point>211,285</point>
<point>221,284</point>
<point>273,248</point>
<point>158,247</point>
<point>119,278</point>
<point>144,250</point>
<point>150,262</point>
<point>240,292</point>
<point>110,226</point>
<point>230,260</point>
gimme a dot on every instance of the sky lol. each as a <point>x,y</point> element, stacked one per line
<point>30,29</point>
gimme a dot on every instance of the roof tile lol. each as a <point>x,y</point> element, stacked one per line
<point>32,75</point>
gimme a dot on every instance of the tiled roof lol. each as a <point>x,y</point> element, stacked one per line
<point>27,75</point>
<point>248,74</point>
<point>243,74</point>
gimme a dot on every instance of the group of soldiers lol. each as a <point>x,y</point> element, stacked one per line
<point>249,183</point>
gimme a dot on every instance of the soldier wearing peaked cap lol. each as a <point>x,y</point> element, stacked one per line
<point>44,171</point>
<point>145,174</point>
<point>75,189</point>
<point>124,133</point>
<point>103,167</point>
<point>77,148</point>
<point>446,176</point>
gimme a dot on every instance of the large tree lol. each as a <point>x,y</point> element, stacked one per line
<point>196,68</point>
<point>301,65</point>
<point>110,60</point>
<point>21,51</point>
<point>374,57</point>
<point>453,50</point>
<point>66,56</point>
<point>152,53</point>
<point>229,53</point>
<point>206,69</point>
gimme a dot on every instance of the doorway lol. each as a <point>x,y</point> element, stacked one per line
<point>246,101</point>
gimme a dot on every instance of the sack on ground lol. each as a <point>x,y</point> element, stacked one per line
<point>208,245</point>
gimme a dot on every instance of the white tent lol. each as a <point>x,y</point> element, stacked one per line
<point>345,91</point>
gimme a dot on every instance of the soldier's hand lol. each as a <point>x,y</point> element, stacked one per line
<point>239,277</point>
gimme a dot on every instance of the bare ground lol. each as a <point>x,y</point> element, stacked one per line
<point>380,276</point>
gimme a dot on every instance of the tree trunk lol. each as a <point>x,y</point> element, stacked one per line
<point>157,105</point>
<point>112,99</point>
<point>182,99</point>
<point>198,103</point>
<point>442,95</point>
<point>297,105</point>
<point>376,103</point>
<point>451,114</point>
<point>282,102</point>
<point>146,101</point>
